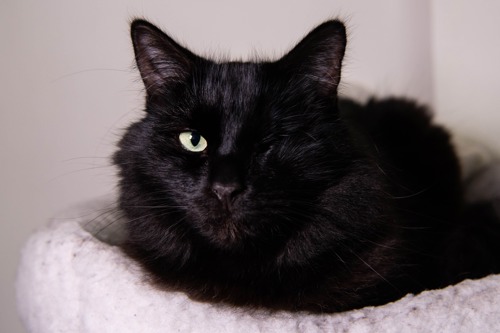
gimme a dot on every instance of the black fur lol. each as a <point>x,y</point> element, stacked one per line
<point>300,201</point>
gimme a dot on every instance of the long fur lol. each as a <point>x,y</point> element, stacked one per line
<point>300,201</point>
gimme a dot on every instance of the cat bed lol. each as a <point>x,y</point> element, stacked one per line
<point>73,278</point>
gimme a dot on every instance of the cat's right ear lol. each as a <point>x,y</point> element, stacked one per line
<point>161,61</point>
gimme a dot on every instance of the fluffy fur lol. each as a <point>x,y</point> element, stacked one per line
<point>299,201</point>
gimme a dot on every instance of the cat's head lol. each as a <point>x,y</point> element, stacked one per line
<point>236,155</point>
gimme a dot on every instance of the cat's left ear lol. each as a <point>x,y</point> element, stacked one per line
<point>318,57</point>
<point>161,61</point>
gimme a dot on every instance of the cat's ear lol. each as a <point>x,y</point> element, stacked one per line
<point>318,56</point>
<point>161,61</point>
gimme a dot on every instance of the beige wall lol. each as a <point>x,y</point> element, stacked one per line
<point>466,59</point>
<point>68,87</point>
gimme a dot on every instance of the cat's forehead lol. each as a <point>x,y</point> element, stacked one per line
<point>231,92</point>
<point>230,84</point>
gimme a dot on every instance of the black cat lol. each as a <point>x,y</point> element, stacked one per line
<point>251,183</point>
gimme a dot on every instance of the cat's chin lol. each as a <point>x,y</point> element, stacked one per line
<point>225,232</point>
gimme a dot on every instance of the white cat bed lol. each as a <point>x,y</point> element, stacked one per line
<point>70,281</point>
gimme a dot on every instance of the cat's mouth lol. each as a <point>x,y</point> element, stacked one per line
<point>225,231</point>
<point>224,225</point>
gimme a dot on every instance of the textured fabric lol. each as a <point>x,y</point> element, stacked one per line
<point>69,281</point>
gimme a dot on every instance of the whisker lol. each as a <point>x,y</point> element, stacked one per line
<point>90,70</point>
<point>374,270</point>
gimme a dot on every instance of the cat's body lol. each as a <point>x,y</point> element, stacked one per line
<point>246,183</point>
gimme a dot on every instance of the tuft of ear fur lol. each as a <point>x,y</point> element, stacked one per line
<point>318,56</point>
<point>161,61</point>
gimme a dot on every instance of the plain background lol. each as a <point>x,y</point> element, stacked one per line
<point>68,86</point>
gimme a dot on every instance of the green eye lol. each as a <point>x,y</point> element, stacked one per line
<point>193,141</point>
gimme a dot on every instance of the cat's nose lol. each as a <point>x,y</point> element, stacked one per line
<point>226,192</point>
